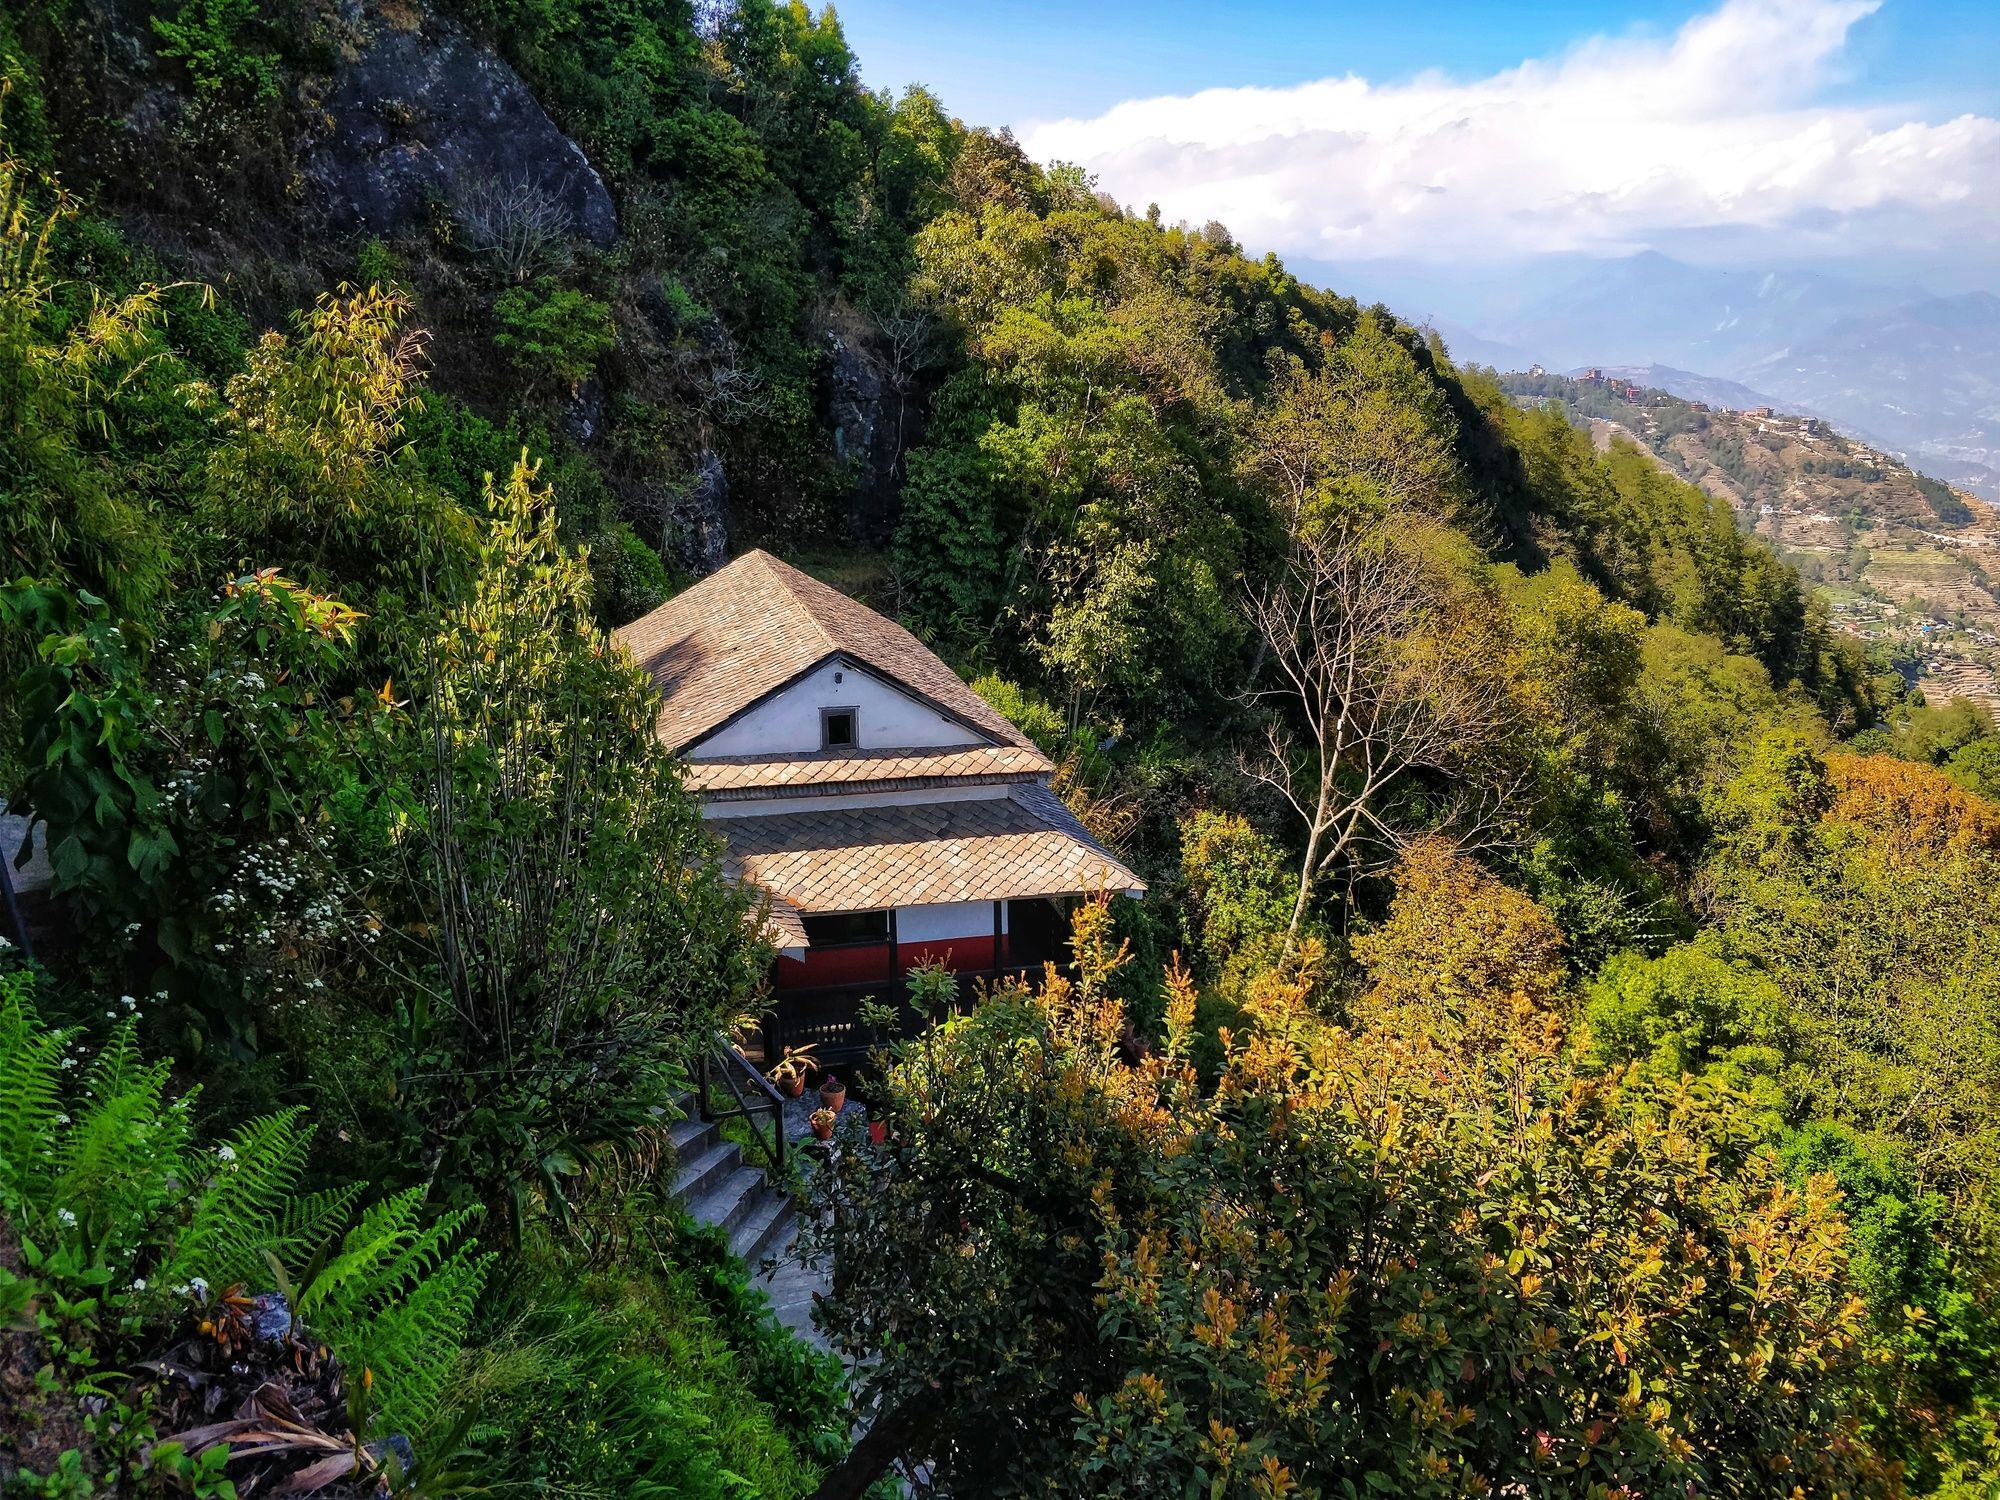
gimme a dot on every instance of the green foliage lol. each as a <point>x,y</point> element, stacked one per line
<point>554,334</point>
<point>217,44</point>
<point>539,801</point>
<point>629,578</point>
<point>1692,1011</point>
<point>122,1217</point>
<point>377,265</point>
<point>424,858</point>
<point>1480,1264</point>
<point>1976,767</point>
<point>401,1288</point>
<point>1035,717</point>
<point>182,795</point>
<point>64,518</point>
<point>1846,986</point>
<point>660,1376</point>
<point>1239,897</point>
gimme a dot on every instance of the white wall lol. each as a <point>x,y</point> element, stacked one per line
<point>943,922</point>
<point>758,807</point>
<point>788,722</point>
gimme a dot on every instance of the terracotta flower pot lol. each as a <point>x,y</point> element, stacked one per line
<point>822,1131</point>
<point>834,1099</point>
<point>793,1086</point>
<point>878,1131</point>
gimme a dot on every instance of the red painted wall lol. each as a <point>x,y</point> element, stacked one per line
<point>866,963</point>
<point>869,963</point>
<point>954,953</point>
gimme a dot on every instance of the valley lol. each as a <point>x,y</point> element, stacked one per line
<point>1904,561</point>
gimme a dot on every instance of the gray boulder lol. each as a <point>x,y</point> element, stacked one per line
<point>421,118</point>
<point>700,525</point>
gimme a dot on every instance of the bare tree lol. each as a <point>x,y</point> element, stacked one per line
<point>522,227</point>
<point>1392,682</point>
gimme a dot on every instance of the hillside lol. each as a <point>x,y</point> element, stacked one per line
<point>1923,379</point>
<point>1507,944</point>
<point>1906,561</point>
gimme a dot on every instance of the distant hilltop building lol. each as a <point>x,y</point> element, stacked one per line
<point>1594,375</point>
<point>1536,370</point>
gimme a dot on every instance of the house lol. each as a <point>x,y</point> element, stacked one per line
<point>889,815</point>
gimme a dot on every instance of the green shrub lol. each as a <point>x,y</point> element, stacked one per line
<point>1037,718</point>
<point>554,334</point>
<point>222,47</point>
<point>375,264</point>
<point>629,577</point>
<point>644,1379</point>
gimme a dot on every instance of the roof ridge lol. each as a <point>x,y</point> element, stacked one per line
<point>786,576</point>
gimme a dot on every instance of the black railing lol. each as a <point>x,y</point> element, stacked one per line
<point>723,1061</point>
<point>827,1018</point>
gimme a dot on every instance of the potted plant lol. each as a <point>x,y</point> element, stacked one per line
<point>822,1124</point>
<point>789,1076</point>
<point>832,1094</point>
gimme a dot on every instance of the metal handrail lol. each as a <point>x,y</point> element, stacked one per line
<point>718,1057</point>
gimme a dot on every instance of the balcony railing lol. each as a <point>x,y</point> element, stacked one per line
<point>827,1018</point>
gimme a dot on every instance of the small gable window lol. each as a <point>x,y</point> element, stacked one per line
<point>838,728</point>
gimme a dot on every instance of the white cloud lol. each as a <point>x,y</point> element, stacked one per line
<point>1614,146</point>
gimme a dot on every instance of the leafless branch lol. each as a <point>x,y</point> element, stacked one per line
<point>1377,686</point>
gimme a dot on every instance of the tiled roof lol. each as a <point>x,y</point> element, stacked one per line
<point>784,926</point>
<point>748,629</point>
<point>861,859</point>
<point>881,770</point>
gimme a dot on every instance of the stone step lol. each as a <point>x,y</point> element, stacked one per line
<point>767,1230</point>
<point>700,1173</point>
<point>730,1201</point>
<point>691,1137</point>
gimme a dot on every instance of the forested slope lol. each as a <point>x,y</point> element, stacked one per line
<point>1556,1053</point>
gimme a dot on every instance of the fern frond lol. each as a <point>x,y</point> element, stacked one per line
<point>413,1345</point>
<point>236,1215</point>
<point>396,1300</point>
<point>123,1158</point>
<point>308,1223</point>
<point>30,1095</point>
<point>386,1230</point>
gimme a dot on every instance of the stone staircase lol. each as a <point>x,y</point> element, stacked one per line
<point>719,1187</point>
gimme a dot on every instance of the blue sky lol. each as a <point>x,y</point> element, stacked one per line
<point>1864,133</point>
<point>1016,63</point>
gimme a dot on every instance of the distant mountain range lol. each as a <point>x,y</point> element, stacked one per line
<point>1908,371</point>
<point>1922,379</point>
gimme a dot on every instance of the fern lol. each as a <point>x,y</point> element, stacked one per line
<point>30,1095</point>
<point>236,1217</point>
<point>125,1184</point>
<point>123,1162</point>
<point>396,1300</point>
